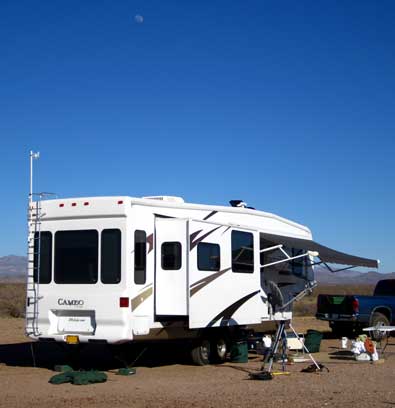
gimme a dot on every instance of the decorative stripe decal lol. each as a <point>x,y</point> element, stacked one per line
<point>200,284</point>
<point>163,216</point>
<point>226,314</point>
<point>150,241</point>
<point>226,230</point>
<point>140,298</point>
<point>209,215</point>
<point>192,237</point>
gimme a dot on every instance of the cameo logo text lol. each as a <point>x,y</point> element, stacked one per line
<point>70,302</point>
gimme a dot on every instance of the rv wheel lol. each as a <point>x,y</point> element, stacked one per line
<point>219,348</point>
<point>201,352</point>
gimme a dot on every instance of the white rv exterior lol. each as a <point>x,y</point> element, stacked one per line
<point>122,269</point>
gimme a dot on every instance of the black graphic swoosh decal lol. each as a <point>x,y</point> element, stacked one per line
<point>209,215</point>
<point>194,235</point>
<point>193,243</point>
<point>200,284</point>
<point>226,314</point>
<point>163,216</point>
<point>226,230</point>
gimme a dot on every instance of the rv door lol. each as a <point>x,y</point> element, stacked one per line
<point>171,267</point>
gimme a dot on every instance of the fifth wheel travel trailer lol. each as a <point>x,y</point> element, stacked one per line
<point>122,269</point>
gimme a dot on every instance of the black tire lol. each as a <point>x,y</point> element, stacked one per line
<point>378,319</point>
<point>219,350</point>
<point>200,353</point>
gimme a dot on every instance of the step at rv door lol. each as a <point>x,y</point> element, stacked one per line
<point>171,267</point>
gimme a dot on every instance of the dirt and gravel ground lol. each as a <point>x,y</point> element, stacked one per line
<point>166,379</point>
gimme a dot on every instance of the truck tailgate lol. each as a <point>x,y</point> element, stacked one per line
<point>335,305</point>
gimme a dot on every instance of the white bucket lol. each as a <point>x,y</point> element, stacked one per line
<point>344,342</point>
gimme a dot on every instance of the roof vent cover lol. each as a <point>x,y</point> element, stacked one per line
<point>169,199</point>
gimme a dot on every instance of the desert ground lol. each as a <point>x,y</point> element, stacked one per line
<point>166,378</point>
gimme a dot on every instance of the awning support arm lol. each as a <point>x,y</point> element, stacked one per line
<point>338,270</point>
<point>287,257</point>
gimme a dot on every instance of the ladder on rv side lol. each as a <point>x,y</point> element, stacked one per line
<point>33,269</point>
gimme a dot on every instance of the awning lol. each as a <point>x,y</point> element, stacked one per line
<point>327,255</point>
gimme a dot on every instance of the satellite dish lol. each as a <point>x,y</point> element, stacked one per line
<point>238,203</point>
<point>275,296</point>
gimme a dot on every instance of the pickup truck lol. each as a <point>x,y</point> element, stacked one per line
<point>348,314</point>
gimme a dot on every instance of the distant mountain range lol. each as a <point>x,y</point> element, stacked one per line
<point>13,268</point>
<point>324,276</point>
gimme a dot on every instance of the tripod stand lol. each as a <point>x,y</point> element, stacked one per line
<point>282,337</point>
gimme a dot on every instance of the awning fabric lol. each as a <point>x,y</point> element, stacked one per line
<point>326,254</point>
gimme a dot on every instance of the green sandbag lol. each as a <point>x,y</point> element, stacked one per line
<point>79,377</point>
<point>62,368</point>
<point>126,371</point>
<point>88,377</point>
<point>61,378</point>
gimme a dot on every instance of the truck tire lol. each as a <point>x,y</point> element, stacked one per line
<point>378,319</point>
<point>200,353</point>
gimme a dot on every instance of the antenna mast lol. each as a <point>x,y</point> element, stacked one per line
<point>32,157</point>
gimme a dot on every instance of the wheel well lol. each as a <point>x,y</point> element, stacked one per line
<point>383,310</point>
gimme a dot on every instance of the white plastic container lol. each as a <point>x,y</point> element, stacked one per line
<point>344,342</point>
<point>362,357</point>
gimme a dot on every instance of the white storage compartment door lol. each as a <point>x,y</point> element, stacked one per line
<point>171,267</point>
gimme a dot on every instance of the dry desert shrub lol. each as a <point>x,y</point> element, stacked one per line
<point>12,299</point>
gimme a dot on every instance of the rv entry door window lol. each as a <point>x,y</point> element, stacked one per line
<point>171,256</point>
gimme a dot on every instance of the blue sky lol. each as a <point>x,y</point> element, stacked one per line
<point>287,105</point>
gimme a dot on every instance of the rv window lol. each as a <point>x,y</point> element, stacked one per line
<point>140,257</point>
<point>208,257</point>
<point>111,256</point>
<point>45,250</point>
<point>242,252</point>
<point>298,264</point>
<point>76,256</point>
<point>171,255</point>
